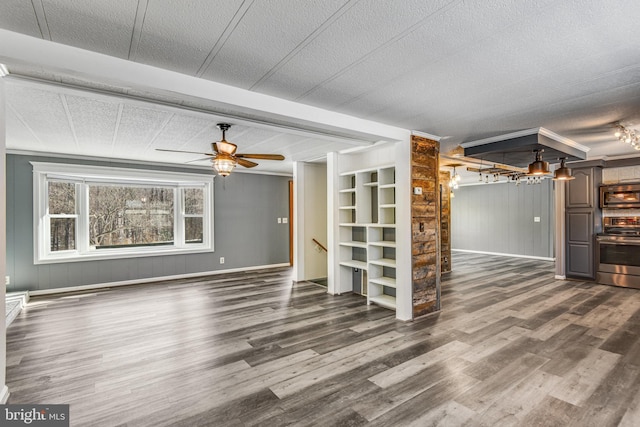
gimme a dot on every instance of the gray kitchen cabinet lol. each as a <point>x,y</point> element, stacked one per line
<point>582,192</point>
<point>583,221</point>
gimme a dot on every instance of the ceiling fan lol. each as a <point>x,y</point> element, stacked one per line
<point>224,156</point>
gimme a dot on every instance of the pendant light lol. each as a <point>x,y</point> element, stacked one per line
<point>455,179</point>
<point>538,167</point>
<point>563,173</point>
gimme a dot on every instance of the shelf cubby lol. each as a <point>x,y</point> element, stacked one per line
<point>367,243</point>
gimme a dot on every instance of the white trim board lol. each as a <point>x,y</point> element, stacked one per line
<point>502,254</point>
<point>4,395</point>
<point>196,168</point>
<point>149,280</point>
<point>22,298</point>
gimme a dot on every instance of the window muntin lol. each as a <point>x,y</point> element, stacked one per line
<point>90,212</point>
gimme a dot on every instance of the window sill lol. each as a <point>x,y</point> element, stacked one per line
<point>108,254</point>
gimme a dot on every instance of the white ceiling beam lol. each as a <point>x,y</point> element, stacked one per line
<point>19,48</point>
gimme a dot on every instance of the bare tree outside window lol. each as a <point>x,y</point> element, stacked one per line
<point>193,215</point>
<point>62,215</point>
<point>124,216</point>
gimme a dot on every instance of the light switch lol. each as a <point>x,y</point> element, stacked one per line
<point>285,220</point>
<point>279,220</point>
<point>536,219</point>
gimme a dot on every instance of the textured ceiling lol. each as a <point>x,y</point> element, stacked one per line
<point>462,70</point>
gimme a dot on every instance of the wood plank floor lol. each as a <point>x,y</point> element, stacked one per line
<point>512,347</point>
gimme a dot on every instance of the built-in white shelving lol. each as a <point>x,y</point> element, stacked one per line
<point>367,245</point>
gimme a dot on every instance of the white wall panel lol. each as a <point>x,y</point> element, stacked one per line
<point>500,218</point>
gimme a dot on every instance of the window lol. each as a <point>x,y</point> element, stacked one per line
<point>90,212</point>
<point>62,216</point>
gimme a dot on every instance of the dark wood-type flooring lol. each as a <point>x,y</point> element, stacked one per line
<point>512,347</point>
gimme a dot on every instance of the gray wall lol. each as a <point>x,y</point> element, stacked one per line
<point>246,208</point>
<point>500,218</point>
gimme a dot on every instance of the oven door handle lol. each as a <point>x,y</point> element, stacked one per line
<point>619,242</point>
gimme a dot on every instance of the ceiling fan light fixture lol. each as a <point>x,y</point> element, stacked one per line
<point>538,167</point>
<point>224,164</point>
<point>563,173</point>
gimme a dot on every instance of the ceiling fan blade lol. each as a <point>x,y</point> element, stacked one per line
<point>246,163</point>
<point>198,160</point>
<point>182,151</point>
<point>215,147</point>
<point>261,156</point>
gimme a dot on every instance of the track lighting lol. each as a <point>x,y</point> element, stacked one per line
<point>628,136</point>
<point>538,167</point>
<point>563,173</point>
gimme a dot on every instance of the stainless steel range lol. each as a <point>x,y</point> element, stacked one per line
<point>618,252</point>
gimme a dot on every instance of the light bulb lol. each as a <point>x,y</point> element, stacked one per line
<point>617,133</point>
<point>458,178</point>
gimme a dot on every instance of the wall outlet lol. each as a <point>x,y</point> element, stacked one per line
<point>7,280</point>
<point>221,260</point>
<point>417,191</point>
<point>285,220</point>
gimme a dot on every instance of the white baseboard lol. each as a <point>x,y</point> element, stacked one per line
<point>4,395</point>
<point>560,277</point>
<point>502,254</point>
<point>150,280</point>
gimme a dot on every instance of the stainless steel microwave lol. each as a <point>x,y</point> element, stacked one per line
<point>620,196</point>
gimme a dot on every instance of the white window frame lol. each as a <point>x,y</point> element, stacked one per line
<point>84,176</point>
